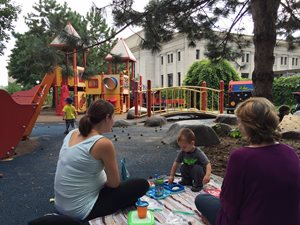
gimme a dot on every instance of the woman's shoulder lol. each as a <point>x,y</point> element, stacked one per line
<point>102,146</point>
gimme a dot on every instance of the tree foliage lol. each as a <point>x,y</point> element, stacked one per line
<point>8,14</point>
<point>212,72</point>
<point>201,20</point>
<point>283,89</point>
<point>32,56</point>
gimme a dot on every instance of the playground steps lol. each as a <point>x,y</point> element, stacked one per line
<point>20,113</point>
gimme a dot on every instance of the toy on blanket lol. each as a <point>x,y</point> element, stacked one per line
<point>174,187</point>
<point>162,189</point>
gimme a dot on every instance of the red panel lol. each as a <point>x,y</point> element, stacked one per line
<point>14,120</point>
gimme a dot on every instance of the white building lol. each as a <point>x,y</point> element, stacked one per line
<point>169,66</point>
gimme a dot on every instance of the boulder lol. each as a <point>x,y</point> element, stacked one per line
<point>227,119</point>
<point>155,121</point>
<point>222,129</point>
<point>290,123</point>
<point>123,123</point>
<point>131,111</point>
<point>205,135</point>
<point>290,127</point>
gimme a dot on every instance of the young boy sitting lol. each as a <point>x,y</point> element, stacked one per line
<point>195,166</point>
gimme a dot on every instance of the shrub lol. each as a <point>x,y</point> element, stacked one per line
<point>283,88</point>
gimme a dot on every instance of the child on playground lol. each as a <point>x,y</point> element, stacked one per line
<point>69,114</point>
<point>194,165</point>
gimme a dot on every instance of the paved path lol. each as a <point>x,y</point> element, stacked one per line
<point>27,183</point>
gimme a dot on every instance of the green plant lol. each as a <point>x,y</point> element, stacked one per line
<point>283,88</point>
<point>235,133</point>
<point>13,87</point>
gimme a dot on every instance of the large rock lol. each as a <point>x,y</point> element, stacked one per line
<point>290,123</point>
<point>205,135</point>
<point>131,111</point>
<point>155,121</point>
<point>222,129</point>
<point>290,127</point>
<point>227,118</point>
<point>123,123</point>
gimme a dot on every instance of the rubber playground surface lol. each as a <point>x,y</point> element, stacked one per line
<point>26,184</point>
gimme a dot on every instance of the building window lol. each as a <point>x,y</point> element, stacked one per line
<point>178,56</point>
<point>179,78</point>
<point>170,58</point>
<point>245,58</point>
<point>162,80</point>
<point>245,75</point>
<point>162,60</point>
<point>294,61</point>
<point>283,60</point>
<point>170,80</point>
<point>197,53</point>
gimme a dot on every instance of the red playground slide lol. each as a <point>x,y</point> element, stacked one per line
<point>19,113</point>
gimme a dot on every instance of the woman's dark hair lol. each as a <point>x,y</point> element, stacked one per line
<point>259,119</point>
<point>98,111</point>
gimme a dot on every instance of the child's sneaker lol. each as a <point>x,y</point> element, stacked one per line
<point>66,132</point>
<point>185,182</point>
<point>196,188</point>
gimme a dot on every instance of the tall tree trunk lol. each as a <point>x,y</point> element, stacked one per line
<point>264,14</point>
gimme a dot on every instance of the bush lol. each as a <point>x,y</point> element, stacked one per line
<point>13,87</point>
<point>212,72</point>
<point>283,88</point>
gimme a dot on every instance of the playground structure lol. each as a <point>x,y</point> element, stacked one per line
<point>22,108</point>
<point>170,101</point>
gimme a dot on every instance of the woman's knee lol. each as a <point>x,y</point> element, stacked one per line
<point>199,202</point>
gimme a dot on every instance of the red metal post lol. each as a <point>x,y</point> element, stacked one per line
<point>132,71</point>
<point>149,100</point>
<point>204,99</point>
<point>102,85</point>
<point>75,80</point>
<point>221,96</point>
<point>121,92</point>
<point>109,68</point>
<point>141,91</point>
<point>136,105</point>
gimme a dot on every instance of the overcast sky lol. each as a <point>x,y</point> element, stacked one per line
<point>81,6</point>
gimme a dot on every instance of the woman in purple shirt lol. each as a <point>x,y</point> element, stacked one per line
<point>262,181</point>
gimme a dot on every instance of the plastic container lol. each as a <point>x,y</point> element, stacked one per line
<point>133,218</point>
<point>142,208</point>
<point>159,187</point>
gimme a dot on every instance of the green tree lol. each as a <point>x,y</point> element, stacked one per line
<point>13,87</point>
<point>199,20</point>
<point>8,14</point>
<point>212,72</point>
<point>32,56</point>
<point>283,89</point>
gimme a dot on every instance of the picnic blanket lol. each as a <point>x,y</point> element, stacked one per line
<point>176,209</point>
